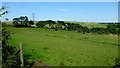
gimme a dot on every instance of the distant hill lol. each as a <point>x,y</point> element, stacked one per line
<point>89,24</point>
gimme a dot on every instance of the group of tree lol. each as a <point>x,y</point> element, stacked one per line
<point>2,11</point>
<point>112,28</point>
<point>22,21</point>
<point>61,25</point>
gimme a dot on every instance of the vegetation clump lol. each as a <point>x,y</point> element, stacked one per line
<point>22,21</point>
<point>112,28</point>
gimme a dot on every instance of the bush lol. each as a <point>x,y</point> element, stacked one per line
<point>113,28</point>
<point>41,24</point>
<point>99,30</point>
<point>9,54</point>
<point>19,25</point>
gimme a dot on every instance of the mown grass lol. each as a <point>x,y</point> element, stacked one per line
<point>66,48</point>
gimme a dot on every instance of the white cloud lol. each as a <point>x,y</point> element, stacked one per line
<point>62,9</point>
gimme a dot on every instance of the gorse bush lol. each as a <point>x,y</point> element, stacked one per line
<point>9,54</point>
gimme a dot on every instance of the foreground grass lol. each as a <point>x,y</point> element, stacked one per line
<point>66,48</point>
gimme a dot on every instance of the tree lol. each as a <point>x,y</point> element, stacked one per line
<point>31,22</point>
<point>24,22</point>
<point>61,23</point>
<point>3,12</point>
<point>41,24</point>
<point>99,30</point>
<point>6,19</point>
<point>85,29</point>
<point>112,28</point>
<point>68,26</point>
<point>50,23</point>
<point>15,21</point>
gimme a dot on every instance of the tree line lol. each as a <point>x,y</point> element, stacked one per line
<point>112,28</point>
<point>61,25</point>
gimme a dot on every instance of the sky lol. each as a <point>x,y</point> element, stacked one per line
<point>60,0</point>
<point>66,11</point>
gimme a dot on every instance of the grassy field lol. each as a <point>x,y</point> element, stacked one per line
<point>90,25</point>
<point>66,48</point>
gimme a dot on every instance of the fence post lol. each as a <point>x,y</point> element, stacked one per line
<point>21,54</point>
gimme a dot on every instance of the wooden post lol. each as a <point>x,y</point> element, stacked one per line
<point>21,54</point>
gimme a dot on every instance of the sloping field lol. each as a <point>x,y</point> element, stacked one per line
<point>66,48</point>
<point>90,25</point>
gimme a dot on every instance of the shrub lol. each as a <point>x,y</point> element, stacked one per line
<point>9,54</point>
<point>41,24</point>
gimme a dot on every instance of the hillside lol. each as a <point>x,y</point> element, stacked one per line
<point>66,48</point>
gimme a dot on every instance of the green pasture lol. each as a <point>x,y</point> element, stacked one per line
<point>66,48</point>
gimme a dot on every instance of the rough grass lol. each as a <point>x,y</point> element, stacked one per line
<point>90,25</point>
<point>66,48</point>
